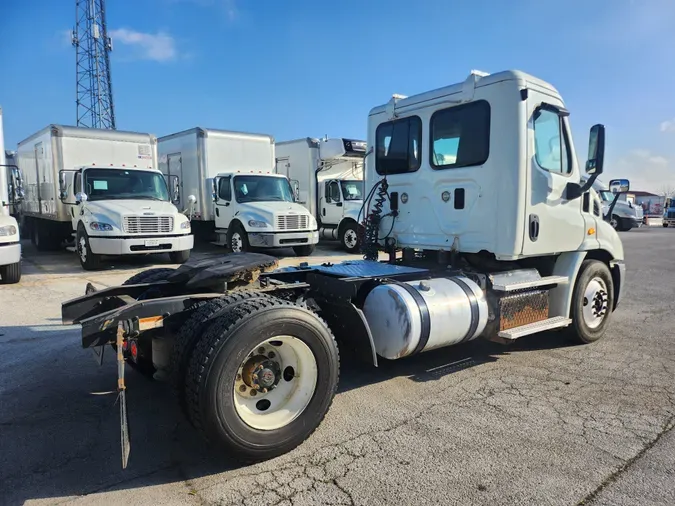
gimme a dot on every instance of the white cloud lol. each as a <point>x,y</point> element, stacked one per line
<point>668,126</point>
<point>159,46</point>
<point>647,171</point>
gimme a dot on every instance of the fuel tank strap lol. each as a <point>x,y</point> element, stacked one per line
<point>475,310</point>
<point>425,318</point>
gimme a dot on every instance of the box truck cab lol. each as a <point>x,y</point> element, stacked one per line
<point>328,175</point>
<point>103,188</point>
<point>255,209</point>
<point>10,245</point>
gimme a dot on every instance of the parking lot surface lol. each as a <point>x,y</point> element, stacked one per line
<point>538,422</point>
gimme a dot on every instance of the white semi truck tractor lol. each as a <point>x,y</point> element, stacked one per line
<point>102,188</point>
<point>476,194</point>
<point>328,175</point>
<point>10,240</point>
<point>240,200</point>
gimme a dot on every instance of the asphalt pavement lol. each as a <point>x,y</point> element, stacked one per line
<point>538,422</point>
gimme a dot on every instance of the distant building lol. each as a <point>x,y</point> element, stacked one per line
<point>651,203</point>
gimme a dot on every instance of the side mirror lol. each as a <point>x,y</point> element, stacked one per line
<point>596,150</point>
<point>63,186</point>
<point>619,185</point>
<point>296,190</point>
<point>80,197</point>
<point>174,184</point>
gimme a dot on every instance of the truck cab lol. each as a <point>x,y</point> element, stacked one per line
<point>259,210</point>
<point>123,211</point>
<point>669,213</point>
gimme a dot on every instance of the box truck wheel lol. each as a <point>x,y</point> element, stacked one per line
<point>237,238</point>
<point>349,237</point>
<point>592,301</point>
<point>179,257</point>
<point>11,273</point>
<point>88,260</point>
<point>262,378</point>
<point>42,236</point>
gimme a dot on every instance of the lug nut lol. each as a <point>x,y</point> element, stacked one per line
<point>238,377</point>
<point>242,388</point>
<point>261,350</point>
<point>253,393</point>
<point>271,354</point>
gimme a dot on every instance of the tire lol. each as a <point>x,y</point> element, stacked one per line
<point>150,276</point>
<point>615,222</point>
<point>665,225</point>
<point>216,369</point>
<point>11,273</point>
<point>237,239</point>
<point>179,257</point>
<point>304,251</point>
<point>88,260</point>
<point>42,237</point>
<point>349,237</point>
<point>192,329</point>
<point>586,327</point>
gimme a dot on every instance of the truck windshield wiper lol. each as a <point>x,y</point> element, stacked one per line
<point>148,197</point>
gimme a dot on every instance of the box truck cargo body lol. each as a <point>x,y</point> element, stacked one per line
<point>239,200</point>
<point>103,187</point>
<point>329,176</point>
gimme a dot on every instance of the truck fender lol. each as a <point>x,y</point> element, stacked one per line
<point>560,297</point>
<point>349,325</point>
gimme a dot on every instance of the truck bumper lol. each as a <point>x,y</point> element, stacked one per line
<point>139,246</point>
<point>10,253</point>
<point>272,240</point>
<point>670,222</point>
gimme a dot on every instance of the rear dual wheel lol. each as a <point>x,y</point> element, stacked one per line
<point>262,377</point>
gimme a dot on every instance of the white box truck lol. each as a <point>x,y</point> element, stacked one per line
<point>329,177</point>
<point>10,243</point>
<point>239,198</point>
<point>102,187</point>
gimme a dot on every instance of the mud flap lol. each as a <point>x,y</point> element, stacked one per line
<point>122,398</point>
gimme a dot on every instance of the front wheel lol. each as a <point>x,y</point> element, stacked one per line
<point>88,260</point>
<point>262,378</point>
<point>615,222</point>
<point>238,239</point>
<point>11,273</point>
<point>592,301</point>
<point>349,238</point>
<point>665,225</point>
<point>179,257</point>
<point>304,251</point>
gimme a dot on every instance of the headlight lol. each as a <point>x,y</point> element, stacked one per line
<point>100,226</point>
<point>185,225</point>
<point>257,224</point>
<point>7,230</point>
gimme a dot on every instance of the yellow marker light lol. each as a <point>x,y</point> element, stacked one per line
<point>591,231</point>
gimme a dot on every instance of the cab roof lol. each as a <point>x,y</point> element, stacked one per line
<point>481,79</point>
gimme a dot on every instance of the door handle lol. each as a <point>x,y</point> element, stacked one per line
<point>217,211</point>
<point>534,227</point>
<point>227,204</point>
<point>324,211</point>
<point>339,204</point>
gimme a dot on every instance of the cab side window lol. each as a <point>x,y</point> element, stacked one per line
<point>550,142</point>
<point>225,189</point>
<point>332,192</point>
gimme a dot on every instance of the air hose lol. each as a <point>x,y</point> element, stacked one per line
<point>371,224</point>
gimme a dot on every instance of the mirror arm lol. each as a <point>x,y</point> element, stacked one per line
<point>573,190</point>
<point>611,206</point>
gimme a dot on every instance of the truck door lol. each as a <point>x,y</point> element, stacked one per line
<point>332,206</point>
<point>175,168</point>
<point>552,223</point>
<point>224,204</point>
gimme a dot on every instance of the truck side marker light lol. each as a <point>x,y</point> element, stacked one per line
<point>591,231</point>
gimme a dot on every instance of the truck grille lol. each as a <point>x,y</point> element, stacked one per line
<point>148,224</point>
<point>671,214</point>
<point>293,222</point>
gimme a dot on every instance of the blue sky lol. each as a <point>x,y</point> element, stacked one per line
<point>297,68</point>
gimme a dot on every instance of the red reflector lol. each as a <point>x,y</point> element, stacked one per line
<point>125,345</point>
<point>134,349</point>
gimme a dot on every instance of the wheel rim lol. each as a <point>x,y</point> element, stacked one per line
<point>237,242</point>
<point>83,249</point>
<point>350,238</point>
<point>614,222</point>
<point>595,303</point>
<point>275,383</point>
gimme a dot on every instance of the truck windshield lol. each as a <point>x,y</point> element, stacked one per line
<point>262,189</point>
<point>117,184</point>
<point>352,190</point>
